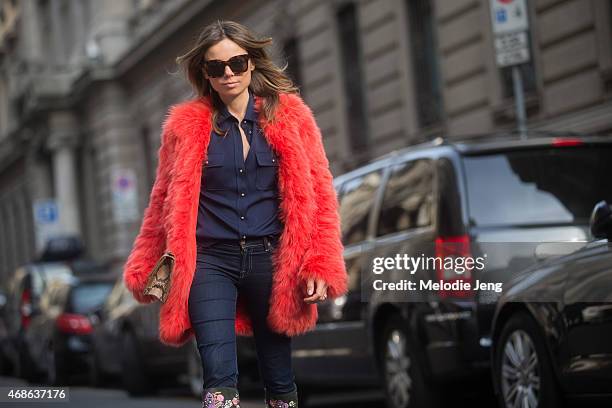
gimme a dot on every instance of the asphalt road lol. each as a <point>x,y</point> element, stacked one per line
<point>83,396</point>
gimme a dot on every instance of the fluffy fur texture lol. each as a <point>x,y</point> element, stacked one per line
<point>310,244</point>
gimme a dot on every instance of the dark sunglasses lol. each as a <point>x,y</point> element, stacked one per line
<point>216,68</point>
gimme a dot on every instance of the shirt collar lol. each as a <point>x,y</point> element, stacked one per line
<point>250,112</point>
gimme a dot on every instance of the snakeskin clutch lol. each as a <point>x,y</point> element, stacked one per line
<point>160,278</point>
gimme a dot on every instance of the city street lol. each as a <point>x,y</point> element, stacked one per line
<point>395,204</point>
<point>83,395</point>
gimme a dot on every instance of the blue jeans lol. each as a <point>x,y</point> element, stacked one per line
<point>222,269</point>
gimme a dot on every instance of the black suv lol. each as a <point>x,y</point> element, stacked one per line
<point>444,199</point>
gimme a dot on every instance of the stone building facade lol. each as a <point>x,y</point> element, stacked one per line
<point>85,85</point>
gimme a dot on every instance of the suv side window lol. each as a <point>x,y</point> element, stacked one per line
<point>357,197</point>
<point>408,200</point>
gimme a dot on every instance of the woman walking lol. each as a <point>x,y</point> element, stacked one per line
<point>244,199</point>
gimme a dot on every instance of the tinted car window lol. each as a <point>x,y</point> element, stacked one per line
<point>358,195</point>
<point>89,296</point>
<point>537,186</point>
<point>408,197</point>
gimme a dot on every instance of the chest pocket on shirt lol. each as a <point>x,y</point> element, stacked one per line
<point>213,172</point>
<point>267,167</point>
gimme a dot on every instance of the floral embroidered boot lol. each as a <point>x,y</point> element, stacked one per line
<point>220,397</point>
<point>286,400</point>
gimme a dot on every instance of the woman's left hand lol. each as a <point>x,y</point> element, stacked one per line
<point>320,294</point>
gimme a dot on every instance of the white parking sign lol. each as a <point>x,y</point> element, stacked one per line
<point>511,49</point>
<point>125,195</point>
<point>509,19</point>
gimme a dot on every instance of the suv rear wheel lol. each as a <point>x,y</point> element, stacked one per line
<point>405,386</point>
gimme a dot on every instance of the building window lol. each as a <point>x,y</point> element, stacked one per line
<point>350,48</point>
<point>292,55</point>
<point>425,64</point>
<point>67,29</point>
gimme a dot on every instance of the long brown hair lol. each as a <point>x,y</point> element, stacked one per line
<point>267,79</point>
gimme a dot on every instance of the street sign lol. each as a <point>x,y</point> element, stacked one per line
<point>46,221</point>
<point>124,195</point>
<point>510,23</point>
<point>509,19</point>
<point>45,212</point>
<point>511,49</point>
<point>509,16</point>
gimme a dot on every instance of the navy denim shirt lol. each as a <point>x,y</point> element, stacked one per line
<point>240,198</point>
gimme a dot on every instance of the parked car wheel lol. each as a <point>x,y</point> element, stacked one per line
<point>523,369</point>
<point>135,380</point>
<point>404,383</point>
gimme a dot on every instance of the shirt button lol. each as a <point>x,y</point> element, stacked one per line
<point>240,170</point>
<point>242,194</point>
<point>273,160</point>
<point>244,237</point>
<point>242,217</point>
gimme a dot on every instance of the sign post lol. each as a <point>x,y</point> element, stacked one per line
<point>124,194</point>
<point>46,221</point>
<point>510,25</point>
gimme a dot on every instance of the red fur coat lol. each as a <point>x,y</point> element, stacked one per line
<point>310,244</point>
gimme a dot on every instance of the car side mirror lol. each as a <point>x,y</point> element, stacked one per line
<point>601,220</point>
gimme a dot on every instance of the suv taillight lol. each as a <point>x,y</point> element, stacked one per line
<point>71,323</point>
<point>448,247</point>
<point>567,142</point>
<point>25,308</point>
